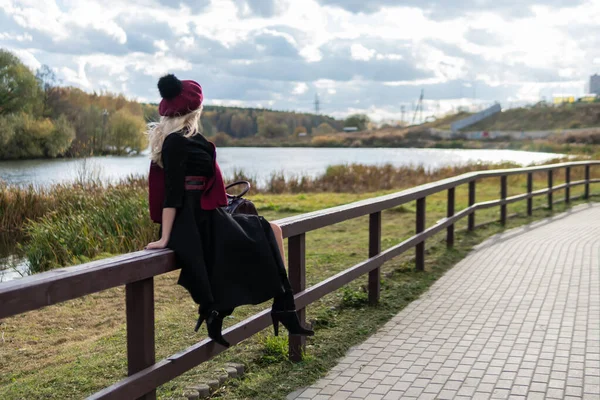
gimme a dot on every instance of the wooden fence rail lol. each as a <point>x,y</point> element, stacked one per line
<point>137,271</point>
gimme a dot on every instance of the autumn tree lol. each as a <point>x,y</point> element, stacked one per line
<point>221,139</point>
<point>324,129</point>
<point>208,128</point>
<point>126,133</point>
<point>359,121</point>
<point>241,125</point>
<point>24,136</point>
<point>19,91</point>
<point>269,128</point>
<point>47,82</point>
<point>60,139</point>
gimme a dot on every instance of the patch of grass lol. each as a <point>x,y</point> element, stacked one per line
<point>353,298</point>
<point>275,350</point>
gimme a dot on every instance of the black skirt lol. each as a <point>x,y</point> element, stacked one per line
<point>226,260</point>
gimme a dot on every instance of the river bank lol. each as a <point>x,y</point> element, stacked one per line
<point>583,141</point>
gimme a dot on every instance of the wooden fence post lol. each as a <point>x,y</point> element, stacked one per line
<point>550,185</point>
<point>587,182</point>
<point>471,202</point>
<point>297,276</point>
<point>139,304</point>
<point>567,185</point>
<point>529,190</point>
<point>450,213</point>
<point>503,192</point>
<point>374,249</point>
<point>420,248</point>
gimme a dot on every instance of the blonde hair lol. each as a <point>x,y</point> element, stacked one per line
<point>158,131</point>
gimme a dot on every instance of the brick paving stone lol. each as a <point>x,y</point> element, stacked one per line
<point>517,318</point>
<point>372,396</point>
<point>340,395</point>
<point>393,395</point>
<point>360,393</point>
<point>555,393</point>
<point>453,385</point>
<point>381,389</point>
<point>501,394</point>
<point>446,394</point>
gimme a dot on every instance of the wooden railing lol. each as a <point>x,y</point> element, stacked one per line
<point>137,270</point>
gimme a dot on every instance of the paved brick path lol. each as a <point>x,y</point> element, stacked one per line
<point>518,318</point>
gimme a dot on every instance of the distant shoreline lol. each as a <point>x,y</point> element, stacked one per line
<point>384,142</point>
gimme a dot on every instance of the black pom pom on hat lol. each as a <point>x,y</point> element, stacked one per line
<point>169,86</point>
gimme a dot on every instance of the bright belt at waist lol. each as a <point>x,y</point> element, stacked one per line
<point>195,182</point>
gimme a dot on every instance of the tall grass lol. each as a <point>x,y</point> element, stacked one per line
<point>20,204</point>
<point>71,223</point>
<point>112,221</point>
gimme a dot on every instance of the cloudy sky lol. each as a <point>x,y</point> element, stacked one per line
<point>371,56</point>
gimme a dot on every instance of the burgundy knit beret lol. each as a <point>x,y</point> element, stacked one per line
<point>178,97</point>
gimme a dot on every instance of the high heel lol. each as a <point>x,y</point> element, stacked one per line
<point>290,320</point>
<point>214,325</point>
<point>201,319</point>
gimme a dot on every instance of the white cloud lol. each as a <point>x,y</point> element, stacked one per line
<point>300,88</point>
<point>19,38</point>
<point>390,56</point>
<point>161,45</point>
<point>360,52</point>
<point>312,54</point>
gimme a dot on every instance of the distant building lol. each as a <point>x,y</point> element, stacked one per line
<point>587,98</point>
<point>350,129</point>
<point>595,84</point>
<point>561,99</point>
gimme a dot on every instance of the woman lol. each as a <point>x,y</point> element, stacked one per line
<point>226,261</point>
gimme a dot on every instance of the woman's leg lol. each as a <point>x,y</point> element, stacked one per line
<point>284,307</point>
<point>285,301</point>
<point>279,238</point>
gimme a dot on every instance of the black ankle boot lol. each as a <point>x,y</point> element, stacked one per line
<point>284,302</point>
<point>214,325</point>
<point>290,320</point>
<point>284,311</point>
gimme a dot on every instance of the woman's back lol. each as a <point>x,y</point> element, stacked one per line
<point>195,152</point>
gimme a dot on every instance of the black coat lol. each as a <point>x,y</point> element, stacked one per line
<point>226,261</point>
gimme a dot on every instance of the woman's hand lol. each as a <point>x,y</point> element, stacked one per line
<point>160,244</point>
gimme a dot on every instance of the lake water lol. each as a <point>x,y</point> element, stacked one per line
<point>259,162</point>
<point>13,267</point>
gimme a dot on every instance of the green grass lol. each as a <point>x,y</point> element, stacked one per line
<point>73,349</point>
